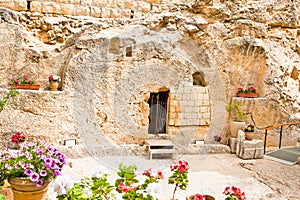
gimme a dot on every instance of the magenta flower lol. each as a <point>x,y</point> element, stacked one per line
<point>34,177</point>
<point>53,166</point>
<point>5,158</point>
<point>57,173</point>
<point>48,161</point>
<point>7,166</point>
<point>16,166</point>
<point>28,172</point>
<point>43,173</point>
<point>40,151</point>
<point>39,183</point>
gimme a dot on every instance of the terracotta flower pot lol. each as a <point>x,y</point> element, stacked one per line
<point>247,94</point>
<point>18,145</point>
<point>249,135</point>
<point>26,86</point>
<point>24,189</point>
<point>53,85</point>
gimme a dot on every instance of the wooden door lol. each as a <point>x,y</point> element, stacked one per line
<point>158,103</point>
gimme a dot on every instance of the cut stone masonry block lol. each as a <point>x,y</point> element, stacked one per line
<point>248,149</point>
<point>233,144</point>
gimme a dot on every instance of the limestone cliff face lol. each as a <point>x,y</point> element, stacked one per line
<point>110,68</point>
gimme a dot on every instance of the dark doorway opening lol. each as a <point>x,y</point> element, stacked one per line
<point>158,104</point>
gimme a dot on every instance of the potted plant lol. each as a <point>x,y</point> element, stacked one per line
<point>53,82</point>
<point>24,83</point>
<point>249,132</point>
<point>238,116</point>
<point>30,169</point>
<point>250,92</point>
<point>18,138</point>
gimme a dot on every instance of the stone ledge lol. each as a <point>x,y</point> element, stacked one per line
<point>82,151</point>
<point>206,148</point>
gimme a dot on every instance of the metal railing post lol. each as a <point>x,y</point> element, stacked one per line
<point>280,137</point>
<point>265,142</point>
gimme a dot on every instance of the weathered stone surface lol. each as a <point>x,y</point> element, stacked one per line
<point>203,150</point>
<point>36,6</point>
<point>248,149</point>
<point>50,7</point>
<point>18,5</point>
<point>233,145</point>
<point>241,44</point>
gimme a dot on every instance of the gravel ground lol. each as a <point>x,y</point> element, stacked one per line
<point>284,180</point>
<point>260,179</point>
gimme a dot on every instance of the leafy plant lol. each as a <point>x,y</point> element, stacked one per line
<point>99,188</point>
<point>179,176</point>
<point>250,89</point>
<point>11,94</point>
<point>22,80</point>
<point>2,196</point>
<point>128,184</point>
<point>88,188</point>
<point>236,111</point>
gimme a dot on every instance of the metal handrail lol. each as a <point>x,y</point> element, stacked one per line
<point>277,126</point>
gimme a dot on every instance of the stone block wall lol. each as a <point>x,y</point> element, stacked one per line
<point>189,113</point>
<point>190,106</point>
<point>18,5</point>
<point>94,8</point>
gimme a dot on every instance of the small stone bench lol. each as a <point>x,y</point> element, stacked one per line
<point>248,149</point>
<point>160,147</point>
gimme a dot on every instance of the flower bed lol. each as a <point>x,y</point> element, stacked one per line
<point>129,186</point>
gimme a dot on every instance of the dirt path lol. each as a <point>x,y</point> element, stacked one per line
<point>284,180</point>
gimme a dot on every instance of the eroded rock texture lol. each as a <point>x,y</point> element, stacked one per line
<point>112,67</point>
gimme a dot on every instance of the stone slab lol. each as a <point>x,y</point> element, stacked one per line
<point>232,144</point>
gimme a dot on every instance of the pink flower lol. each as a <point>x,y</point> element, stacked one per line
<point>199,197</point>
<point>226,191</point>
<point>147,172</point>
<point>160,175</point>
<point>50,77</point>
<point>122,187</point>
<point>183,166</point>
<point>235,192</point>
<point>173,167</point>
